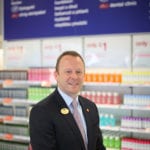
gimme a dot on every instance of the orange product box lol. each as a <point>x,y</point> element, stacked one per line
<point>100,77</point>
<point>111,77</point>
<point>106,77</point>
<point>94,77</point>
<point>88,77</point>
<point>118,78</point>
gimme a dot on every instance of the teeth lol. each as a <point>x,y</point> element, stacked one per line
<point>73,84</point>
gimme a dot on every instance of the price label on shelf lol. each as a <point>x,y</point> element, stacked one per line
<point>1,120</point>
<point>8,136</point>
<point>46,84</point>
<point>8,118</point>
<point>8,82</point>
<point>148,107</point>
<point>147,130</point>
<point>7,100</point>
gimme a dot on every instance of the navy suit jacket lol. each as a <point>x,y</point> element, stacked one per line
<point>51,129</point>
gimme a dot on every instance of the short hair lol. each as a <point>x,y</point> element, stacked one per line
<point>71,53</point>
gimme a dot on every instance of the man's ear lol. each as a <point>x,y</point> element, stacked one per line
<point>55,74</point>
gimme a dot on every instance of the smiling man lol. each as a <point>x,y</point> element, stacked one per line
<point>70,74</point>
<point>64,120</point>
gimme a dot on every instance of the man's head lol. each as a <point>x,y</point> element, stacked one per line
<point>71,53</point>
<point>70,70</point>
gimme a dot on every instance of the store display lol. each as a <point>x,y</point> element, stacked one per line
<point>135,144</point>
<point>16,102</point>
<point>123,107</point>
<point>19,91</point>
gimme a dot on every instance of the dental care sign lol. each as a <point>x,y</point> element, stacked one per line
<point>22,54</point>
<point>141,51</point>
<point>53,18</point>
<point>108,51</point>
<point>52,48</point>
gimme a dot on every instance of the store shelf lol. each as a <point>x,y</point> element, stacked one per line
<point>16,102</point>
<point>117,128</point>
<point>101,84</point>
<point>14,120</point>
<point>112,149</point>
<point>14,138</point>
<point>147,108</point>
<point>24,83</point>
<point>116,84</point>
<point>145,131</point>
<point>108,106</point>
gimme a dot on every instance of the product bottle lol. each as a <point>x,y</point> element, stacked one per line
<point>117,142</point>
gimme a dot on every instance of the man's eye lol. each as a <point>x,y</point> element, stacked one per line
<point>79,72</point>
<point>68,71</point>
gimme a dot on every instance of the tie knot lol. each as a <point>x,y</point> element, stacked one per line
<point>74,103</point>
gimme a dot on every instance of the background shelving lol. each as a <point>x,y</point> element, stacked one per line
<point>19,91</point>
<point>120,110</point>
<point>19,108</point>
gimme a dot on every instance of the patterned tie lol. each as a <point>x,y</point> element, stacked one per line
<point>79,122</point>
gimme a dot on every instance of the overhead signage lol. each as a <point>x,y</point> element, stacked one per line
<point>102,51</point>
<point>22,54</point>
<point>53,18</point>
<point>141,51</point>
<point>52,48</point>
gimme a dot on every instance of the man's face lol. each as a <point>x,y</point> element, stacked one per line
<point>70,75</point>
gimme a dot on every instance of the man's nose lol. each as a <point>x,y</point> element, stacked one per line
<point>74,75</point>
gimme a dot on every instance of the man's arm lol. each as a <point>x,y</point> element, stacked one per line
<point>42,133</point>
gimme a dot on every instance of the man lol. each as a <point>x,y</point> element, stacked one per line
<point>53,125</point>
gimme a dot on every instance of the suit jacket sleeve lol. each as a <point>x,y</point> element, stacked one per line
<point>41,130</point>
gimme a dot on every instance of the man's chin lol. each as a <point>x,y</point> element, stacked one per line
<point>74,92</point>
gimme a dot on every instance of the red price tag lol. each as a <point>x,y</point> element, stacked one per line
<point>8,118</point>
<point>8,136</point>
<point>1,119</point>
<point>8,82</point>
<point>148,106</point>
<point>7,100</point>
<point>46,84</point>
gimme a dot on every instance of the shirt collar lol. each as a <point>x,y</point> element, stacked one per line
<point>66,97</point>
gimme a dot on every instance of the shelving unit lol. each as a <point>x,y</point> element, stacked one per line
<point>14,123</point>
<point>14,138</point>
<point>120,110</point>
<point>14,132</point>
